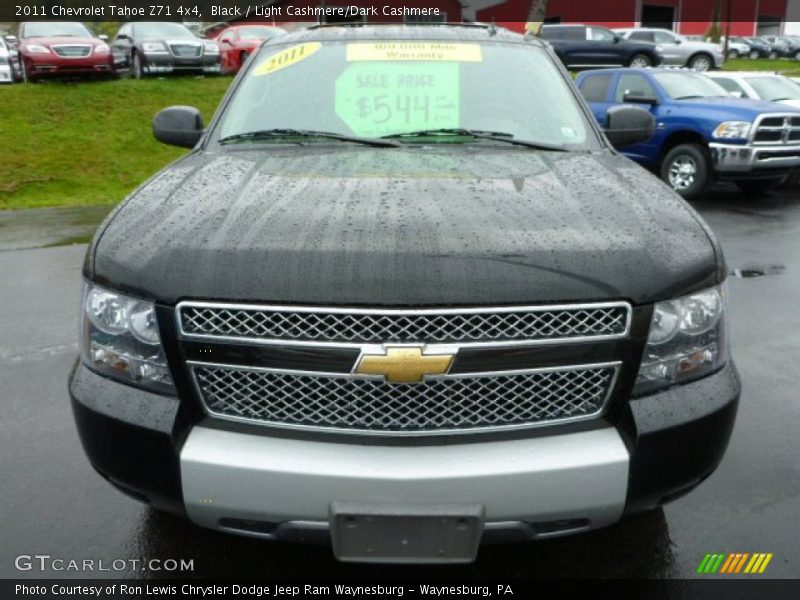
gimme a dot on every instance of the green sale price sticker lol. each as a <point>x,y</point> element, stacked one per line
<point>379,98</point>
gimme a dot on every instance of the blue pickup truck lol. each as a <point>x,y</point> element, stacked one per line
<point>702,133</point>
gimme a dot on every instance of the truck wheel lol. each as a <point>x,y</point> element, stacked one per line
<point>733,54</point>
<point>701,62</point>
<point>640,60</point>
<point>754,54</point>
<point>685,169</point>
<point>773,55</point>
<point>757,187</point>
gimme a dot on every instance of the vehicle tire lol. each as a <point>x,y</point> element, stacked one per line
<point>686,170</point>
<point>701,62</point>
<point>23,67</point>
<point>754,55</point>
<point>640,60</point>
<point>757,187</point>
<point>137,71</point>
<point>773,55</point>
<point>733,55</point>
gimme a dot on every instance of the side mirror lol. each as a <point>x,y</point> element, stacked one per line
<point>629,125</point>
<point>123,37</point>
<point>678,42</point>
<point>617,39</point>
<point>179,126</point>
<point>637,97</point>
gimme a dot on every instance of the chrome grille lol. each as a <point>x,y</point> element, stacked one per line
<point>777,129</point>
<point>463,403</point>
<point>186,50</point>
<point>73,51</point>
<point>463,326</point>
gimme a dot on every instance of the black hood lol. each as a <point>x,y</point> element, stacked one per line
<point>451,225</point>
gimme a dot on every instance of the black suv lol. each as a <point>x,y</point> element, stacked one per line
<point>590,46</point>
<point>156,48</point>
<point>403,296</point>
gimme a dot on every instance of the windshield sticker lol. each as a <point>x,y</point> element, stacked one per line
<point>410,51</point>
<point>286,58</point>
<point>376,100</point>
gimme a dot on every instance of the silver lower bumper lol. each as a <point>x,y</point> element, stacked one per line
<point>577,477</point>
<point>735,158</point>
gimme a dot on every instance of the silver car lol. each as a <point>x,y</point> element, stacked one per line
<point>6,74</point>
<point>678,50</point>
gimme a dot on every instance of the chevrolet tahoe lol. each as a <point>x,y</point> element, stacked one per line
<point>426,307</point>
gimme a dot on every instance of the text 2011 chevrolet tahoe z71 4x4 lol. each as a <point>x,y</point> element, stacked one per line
<point>403,296</point>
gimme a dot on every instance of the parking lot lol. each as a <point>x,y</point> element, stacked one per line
<point>53,502</point>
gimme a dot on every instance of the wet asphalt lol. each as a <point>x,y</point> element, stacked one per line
<point>52,502</point>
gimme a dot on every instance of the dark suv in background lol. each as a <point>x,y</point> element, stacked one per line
<point>154,48</point>
<point>590,46</point>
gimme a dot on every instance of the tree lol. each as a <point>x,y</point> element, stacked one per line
<point>536,16</point>
<point>714,31</point>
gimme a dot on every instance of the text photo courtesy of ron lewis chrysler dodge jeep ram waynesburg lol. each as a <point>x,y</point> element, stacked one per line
<point>428,306</point>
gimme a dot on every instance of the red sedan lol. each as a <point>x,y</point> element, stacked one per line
<point>62,49</point>
<point>240,41</point>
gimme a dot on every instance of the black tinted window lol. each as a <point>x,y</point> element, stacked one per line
<point>595,88</point>
<point>563,33</point>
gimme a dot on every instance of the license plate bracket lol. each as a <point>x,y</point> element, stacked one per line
<point>406,533</point>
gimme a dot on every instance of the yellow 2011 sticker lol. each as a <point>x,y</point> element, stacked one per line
<point>402,51</point>
<point>286,58</point>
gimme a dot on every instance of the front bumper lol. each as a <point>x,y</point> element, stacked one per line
<point>6,76</point>
<point>282,488</point>
<point>163,64</point>
<point>52,65</point>
<point>734,159</point>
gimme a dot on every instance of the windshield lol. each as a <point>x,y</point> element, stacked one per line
<point>259,33</point>
<point>774,88</point>
<point>33,30</point>
<point>683,86</point>
<point>163,30</point>
<point>378,89</point>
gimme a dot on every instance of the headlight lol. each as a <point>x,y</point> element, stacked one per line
<point>38,49</point>
<point>102,49</point>
<point>211,48</point>
<point>154,48</point>
<point>686,341</point>
<point>120,339</point>
<point>732,130</point>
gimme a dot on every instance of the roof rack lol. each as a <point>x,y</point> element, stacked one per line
<point>491,28</point>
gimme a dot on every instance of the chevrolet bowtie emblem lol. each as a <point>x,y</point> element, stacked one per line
<point>404,364</point>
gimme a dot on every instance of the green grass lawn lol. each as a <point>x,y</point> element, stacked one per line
<point>787,67</point>
<point>88,143</point>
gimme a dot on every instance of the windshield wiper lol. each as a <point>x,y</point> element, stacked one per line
<point>692,97</point>
<point>497,136</point>
<point>265,134</point>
